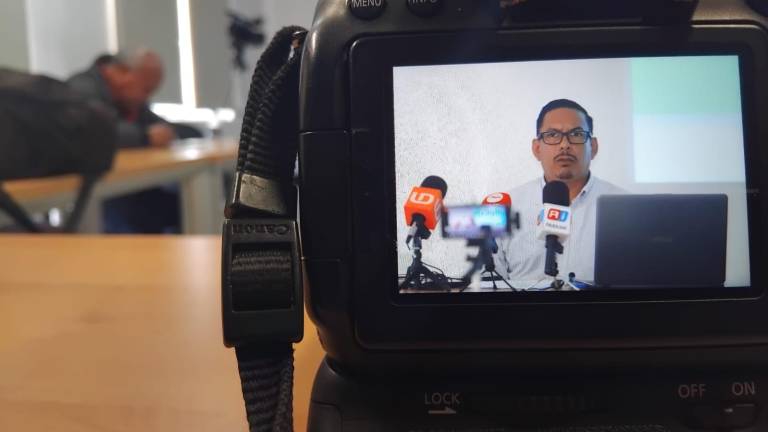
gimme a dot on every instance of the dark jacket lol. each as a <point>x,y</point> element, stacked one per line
<point>91,84</point>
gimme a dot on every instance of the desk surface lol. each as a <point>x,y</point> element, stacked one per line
<point>121,333</point>
<point>129,163</point>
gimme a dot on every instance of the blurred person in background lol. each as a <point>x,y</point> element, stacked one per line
<point>124,83</point>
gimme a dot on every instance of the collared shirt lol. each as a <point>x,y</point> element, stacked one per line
<point>522,256</point>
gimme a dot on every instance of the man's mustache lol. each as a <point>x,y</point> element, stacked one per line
<point>567,156</point>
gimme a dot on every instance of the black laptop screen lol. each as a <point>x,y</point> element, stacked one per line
<point>501,132</point>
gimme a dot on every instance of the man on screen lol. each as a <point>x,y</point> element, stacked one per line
<point>565,147</point>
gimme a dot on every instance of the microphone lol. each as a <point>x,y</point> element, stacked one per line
<point>424,207</point>
<point>489,246</point>
<point>503,198</point>
<point>554,222</point>
<point>498,198</point>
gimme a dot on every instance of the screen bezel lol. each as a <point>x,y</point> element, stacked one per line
<point>415,318</point>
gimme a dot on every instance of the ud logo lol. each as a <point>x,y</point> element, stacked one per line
<point>421,198</point>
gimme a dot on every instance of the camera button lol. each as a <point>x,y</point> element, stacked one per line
<point>424,8</point>
<point>738,415</point>
<point>727,416</point>
<point>367,9</point>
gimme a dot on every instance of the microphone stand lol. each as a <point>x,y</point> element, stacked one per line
<point>417,270</point>
<point>487,247</point>
<point>553,246</point>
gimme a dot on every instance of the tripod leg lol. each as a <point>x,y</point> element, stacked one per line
<point>476,264</point>
<point>494,274</point>
<point>409,277</point>
<point>493,279</point>
<point>437,281</point>
<point>506,282</point>
<point>415,274</point>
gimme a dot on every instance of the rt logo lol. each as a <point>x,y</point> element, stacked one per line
<point>557,215</point>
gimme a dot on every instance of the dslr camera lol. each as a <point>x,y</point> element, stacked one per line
<point>631,298</point>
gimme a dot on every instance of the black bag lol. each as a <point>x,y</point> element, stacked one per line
<point>47,129</point>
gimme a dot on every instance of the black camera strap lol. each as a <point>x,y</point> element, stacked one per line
<point>262,304</point>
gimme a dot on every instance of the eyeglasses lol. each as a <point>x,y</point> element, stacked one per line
<point>575,136</point>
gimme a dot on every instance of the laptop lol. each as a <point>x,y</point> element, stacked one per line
<point>646,241</point>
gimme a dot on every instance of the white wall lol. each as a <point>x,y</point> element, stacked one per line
<point>13,35</point>
<point>212,53</point>
<point>153,24</point>
<point>65,36</point>
<point>276,14</point>
<point>479,120</point>
<point>281,13</point>
<point>61,37</point>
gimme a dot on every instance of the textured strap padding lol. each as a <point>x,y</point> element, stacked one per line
<point>266,374</point>
<point>269,136</point>
<point>267,149</point>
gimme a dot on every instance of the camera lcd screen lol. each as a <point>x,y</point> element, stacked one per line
<point>651,150</point>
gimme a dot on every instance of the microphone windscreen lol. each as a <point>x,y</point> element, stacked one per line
<point>500,198</point>
<point>556,192</point>
<point>426,202</point>
<point>436,182</point>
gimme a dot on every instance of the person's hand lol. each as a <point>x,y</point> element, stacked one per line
<point>160,135</point>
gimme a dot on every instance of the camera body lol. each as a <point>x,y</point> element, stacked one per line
<point>661,347</point>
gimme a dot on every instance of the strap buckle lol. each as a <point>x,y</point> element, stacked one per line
<point>261,282</point>
<point>251,193</point>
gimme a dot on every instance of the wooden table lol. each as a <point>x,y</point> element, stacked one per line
<point>121,333</point>
<point>196,165</point>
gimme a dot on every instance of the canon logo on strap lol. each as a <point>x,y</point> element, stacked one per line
<point>246,228</point>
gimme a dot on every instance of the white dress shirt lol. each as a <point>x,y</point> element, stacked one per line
<point>521,257</point>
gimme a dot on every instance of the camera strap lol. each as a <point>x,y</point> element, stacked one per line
<point>262,299</point>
